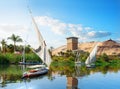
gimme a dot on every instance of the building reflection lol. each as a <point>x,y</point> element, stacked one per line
<point>72,83</point>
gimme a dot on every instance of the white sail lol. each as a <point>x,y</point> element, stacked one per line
<point>92,57</point>
<point>42,51</point>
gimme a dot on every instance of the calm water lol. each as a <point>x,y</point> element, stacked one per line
<point>62,78</point>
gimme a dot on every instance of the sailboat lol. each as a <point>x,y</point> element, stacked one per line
<point>42,52</point>
<point>92,57</point>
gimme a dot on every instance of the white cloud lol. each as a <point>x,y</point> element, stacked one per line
<point>55,25</point>
<point>77,30</point>
<point>57,43</point>
<point>7,30</point>
<point>98,34</point>
<point>118,40</point>
<point>88,28</point>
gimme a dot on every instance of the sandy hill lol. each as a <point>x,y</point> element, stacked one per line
<point>110,47</point>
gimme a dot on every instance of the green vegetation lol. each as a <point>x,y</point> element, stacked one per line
<point>69,55</point>
<point>68,58</point>
<point>10,58</point>
<point>105,60</point>
<point>62,63</point>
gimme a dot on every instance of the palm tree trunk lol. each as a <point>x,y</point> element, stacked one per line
<point>2,48</point>
<point>14,47</point>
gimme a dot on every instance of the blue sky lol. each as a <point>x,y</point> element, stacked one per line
<point>57,19</point>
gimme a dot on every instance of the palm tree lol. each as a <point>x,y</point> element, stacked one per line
<point>15,39</point>
<point>3,42</point>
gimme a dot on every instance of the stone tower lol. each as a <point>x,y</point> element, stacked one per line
<point>72,43</point>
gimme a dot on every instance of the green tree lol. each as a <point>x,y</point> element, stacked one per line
<point>28,49</point>
<point>3,42</point>
<point>10,48</point>
<point>15,39</point>
<point>105,57</point>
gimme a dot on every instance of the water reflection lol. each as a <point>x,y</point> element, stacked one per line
<point>71,76</point>
<point>2,81</point>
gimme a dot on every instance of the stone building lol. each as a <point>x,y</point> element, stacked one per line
<point>72,43</point>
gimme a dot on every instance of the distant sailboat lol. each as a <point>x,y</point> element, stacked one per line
<point>92,57</point>
<point>77,59</point>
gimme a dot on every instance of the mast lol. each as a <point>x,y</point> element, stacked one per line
<point>40,38</point>
<point>24,54</point>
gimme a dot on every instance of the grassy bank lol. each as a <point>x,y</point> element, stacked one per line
<point>107,63</point>
<point>9,58</point>
<point>105,60</point>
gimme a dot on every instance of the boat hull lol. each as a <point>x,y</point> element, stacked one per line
<point>90,65</point>
<point>36,73</point>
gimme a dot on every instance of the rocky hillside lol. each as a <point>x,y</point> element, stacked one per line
<point>110,47</point>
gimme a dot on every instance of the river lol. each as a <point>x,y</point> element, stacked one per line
<point>107,77</point>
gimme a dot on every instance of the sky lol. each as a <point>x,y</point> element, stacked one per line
<point>89,20</point>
